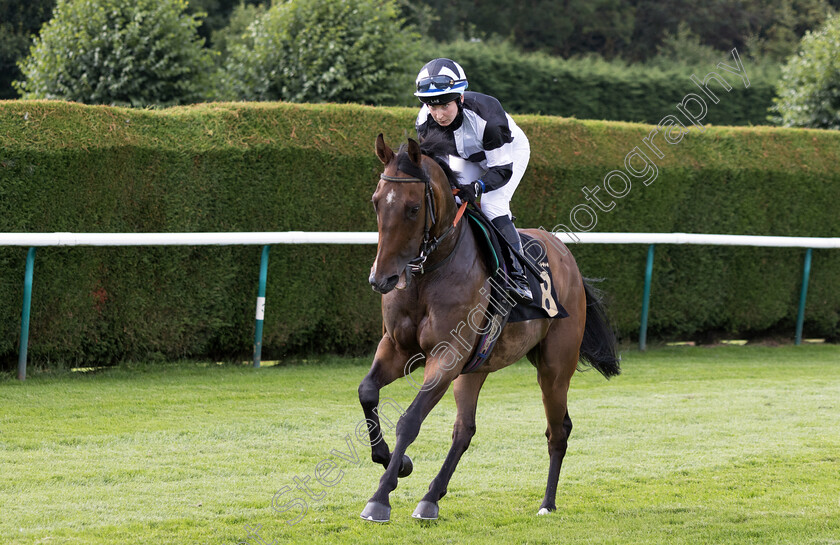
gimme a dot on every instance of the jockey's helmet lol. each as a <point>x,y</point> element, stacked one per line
<point>440,81</point>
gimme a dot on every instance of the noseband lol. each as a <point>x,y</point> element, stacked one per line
<point>430,243</point>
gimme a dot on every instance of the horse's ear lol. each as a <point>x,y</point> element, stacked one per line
<point>414,151</point>
<point>385,154</point>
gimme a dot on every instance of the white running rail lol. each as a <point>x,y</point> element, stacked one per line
<point>325,237</point>
<point>35,240</point>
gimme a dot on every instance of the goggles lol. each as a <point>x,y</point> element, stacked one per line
<point>441,83</point>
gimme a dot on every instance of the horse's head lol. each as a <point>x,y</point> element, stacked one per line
<point>413,204</point>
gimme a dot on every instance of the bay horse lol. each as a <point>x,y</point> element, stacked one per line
<point>424,322</point>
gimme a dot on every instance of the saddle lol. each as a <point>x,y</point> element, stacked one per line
<point>501,306</point>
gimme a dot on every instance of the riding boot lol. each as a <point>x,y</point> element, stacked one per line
<point>517,275</point>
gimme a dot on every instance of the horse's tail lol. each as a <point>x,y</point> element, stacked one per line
<point>598,347</point>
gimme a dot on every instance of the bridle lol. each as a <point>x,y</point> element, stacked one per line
<point>417,265</point>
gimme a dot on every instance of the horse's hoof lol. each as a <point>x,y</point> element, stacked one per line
<point>406,467</point>
<point>543,511</point>
<point>376,512</point>
<point>426,510</point>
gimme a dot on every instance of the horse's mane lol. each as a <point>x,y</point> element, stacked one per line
<point>434,145</point>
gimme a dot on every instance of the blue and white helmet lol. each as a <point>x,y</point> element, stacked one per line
<point>441,81</point>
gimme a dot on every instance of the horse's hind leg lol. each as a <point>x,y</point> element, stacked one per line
<point>388,366</point>
<point>466,389</point>
<point>554,372</point>
<point>556,452</point>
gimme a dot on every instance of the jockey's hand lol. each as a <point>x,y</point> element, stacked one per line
<point>470,192</point>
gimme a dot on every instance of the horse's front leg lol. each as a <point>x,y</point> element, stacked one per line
<point>388,365</point>
<point>465,389</point>
<point>436,380</point>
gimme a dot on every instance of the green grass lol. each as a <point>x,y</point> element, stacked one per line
<point>689,445</point>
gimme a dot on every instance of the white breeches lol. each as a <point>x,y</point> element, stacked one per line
<point>497,202</point>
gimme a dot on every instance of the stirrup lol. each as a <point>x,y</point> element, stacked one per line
<point>519,286</point>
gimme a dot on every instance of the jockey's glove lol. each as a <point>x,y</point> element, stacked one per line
<point>472,191</point>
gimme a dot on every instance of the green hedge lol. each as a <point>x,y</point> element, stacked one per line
<point>278,167</point>
<point>591,88</point>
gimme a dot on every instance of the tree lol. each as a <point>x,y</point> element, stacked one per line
<point>18,21</point>
<point>217,14</point>
<point>326,51</point>
<point>809,90</point>
<point>684,48</point>
<point>235,34</point>
<point>123,52</point>
<point>237,29</point>
<point>631,29</point>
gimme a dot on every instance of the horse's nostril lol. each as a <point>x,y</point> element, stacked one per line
<point>383,286</point>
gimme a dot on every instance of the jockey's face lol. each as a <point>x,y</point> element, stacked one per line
<point>444,114</point>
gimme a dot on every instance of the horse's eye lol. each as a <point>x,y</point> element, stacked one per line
<point>412,212</point>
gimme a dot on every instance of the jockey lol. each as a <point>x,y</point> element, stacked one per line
<point>487,149</point>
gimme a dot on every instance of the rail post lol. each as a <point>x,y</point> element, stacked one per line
<point>646,299</point>
<point>258,330</point>
<point>24,314</point>
<point>803,293</point>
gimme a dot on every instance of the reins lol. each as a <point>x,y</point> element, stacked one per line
<point>461,209</point>
<point>430,243</point>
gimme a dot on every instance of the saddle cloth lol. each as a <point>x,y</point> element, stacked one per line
<point>501,306</point>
